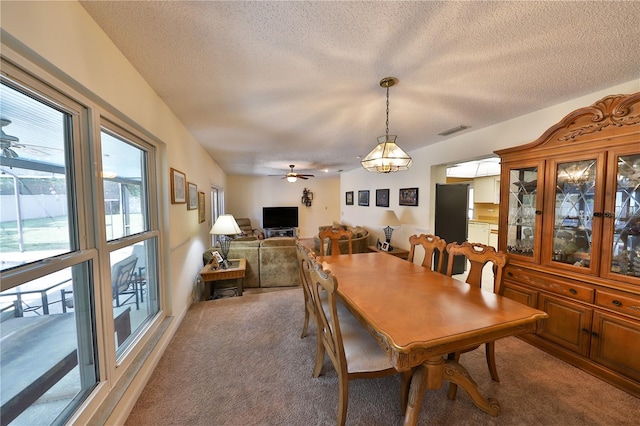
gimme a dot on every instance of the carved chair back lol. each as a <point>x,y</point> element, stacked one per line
<point>334,236</point>
<point>305,255</point>
<point>431,244</point>
<point>478,255</point>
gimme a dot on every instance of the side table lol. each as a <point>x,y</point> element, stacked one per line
<point>398,252</point>
<point>236,270</point>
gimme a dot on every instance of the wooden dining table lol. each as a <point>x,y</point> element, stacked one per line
<point>419,317</point>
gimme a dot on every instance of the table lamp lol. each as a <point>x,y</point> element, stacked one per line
<point>225,225</point>
<point>390,219</point>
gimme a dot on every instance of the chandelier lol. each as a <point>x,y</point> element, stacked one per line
<point>387,156</point>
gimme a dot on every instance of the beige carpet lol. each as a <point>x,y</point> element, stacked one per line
<point>240,361</point>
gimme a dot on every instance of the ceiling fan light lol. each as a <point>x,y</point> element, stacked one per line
<point>292,179</point>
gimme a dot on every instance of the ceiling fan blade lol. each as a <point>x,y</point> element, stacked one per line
<point>302,177</point>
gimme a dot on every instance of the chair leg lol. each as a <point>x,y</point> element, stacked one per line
<point>453,388</point>
<point>343,400</point>
<point>491,360</point>
<point>306,323</point>
<point>404,389</point>
<point>319,357</point>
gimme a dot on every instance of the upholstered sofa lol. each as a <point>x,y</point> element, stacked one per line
<point>359,241</point>
<point>271,262</point>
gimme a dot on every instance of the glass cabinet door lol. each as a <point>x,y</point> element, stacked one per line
<point>625,244</point>
<point>523,218</point>
<point>575,232</point>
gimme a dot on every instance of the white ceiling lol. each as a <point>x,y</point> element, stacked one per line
<point>262,85</point>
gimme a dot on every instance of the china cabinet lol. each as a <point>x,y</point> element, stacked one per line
<point>570,222</point>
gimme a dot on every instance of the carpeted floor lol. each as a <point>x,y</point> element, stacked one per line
<point>241,361</point>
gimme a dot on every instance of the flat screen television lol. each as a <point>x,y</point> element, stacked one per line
<point>279,217</point>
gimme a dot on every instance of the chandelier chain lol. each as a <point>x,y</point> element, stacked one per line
<point>387,111</point>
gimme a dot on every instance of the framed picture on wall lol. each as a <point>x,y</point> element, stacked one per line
<point>193,196</point>
<point>382,197</point>
<point>349,198</point>
<point>408,197</point>
<point>178,186</point>
<point>201,208</point>
<point>363,198</point>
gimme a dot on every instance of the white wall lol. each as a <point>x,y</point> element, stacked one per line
<point>247,195</point>
<point>425,172</point>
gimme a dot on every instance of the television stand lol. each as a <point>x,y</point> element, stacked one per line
<point>279,232</point>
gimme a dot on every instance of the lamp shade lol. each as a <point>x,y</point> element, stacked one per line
<point>387,157</point>
<point>225,225</point>
<point>389,218</point>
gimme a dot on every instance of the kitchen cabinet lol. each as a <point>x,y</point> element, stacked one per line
<point>486,190</point>
<point>478,232</point>
<point>570,222</point>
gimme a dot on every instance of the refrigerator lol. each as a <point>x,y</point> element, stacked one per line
<point>451,218</point>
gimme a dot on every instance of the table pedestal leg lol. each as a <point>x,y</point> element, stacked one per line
<point>426,376</point>
<point>456,373</point>
<point>431,375</point>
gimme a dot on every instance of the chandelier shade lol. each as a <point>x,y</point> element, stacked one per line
<point>387,156</point>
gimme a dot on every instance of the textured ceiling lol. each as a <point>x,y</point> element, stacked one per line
<point>262,85</point>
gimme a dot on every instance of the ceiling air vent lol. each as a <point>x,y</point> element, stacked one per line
<point>454,130</point>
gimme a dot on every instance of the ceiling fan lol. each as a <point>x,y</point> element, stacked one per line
<point>293,176</point>
<point>9,144</point>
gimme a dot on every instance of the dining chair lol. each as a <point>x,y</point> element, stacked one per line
<point>141,269</point>
<point>335,236</point>
<point>432,245</point>
<point>305,255</point>
<point>478,256</point>
<point>354,353</point>
<point>123,281</point>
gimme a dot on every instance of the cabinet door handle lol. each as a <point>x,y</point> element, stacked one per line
<point>573,291</point>
<point>616,302</point>
<point>585,331</point>
<point>597,214</point>
<point>538,212</point>
<point>594,334</point>
<point>608,214</point>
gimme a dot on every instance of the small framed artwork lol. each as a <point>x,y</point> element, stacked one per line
<point>363,198</point>
<point>408,196</point>
<point>382,197</point>
<point>193,196</point>
<point>178,186</point>
<point>218,257</point>
<point>349,198</point>
<point>201,209</point>
<point>384,246</point>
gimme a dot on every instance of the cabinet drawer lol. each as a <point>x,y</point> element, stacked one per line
<point>625,304</point>
<point>520,294</point>
<point>551,284</point>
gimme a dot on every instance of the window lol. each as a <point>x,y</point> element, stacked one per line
<point>34,190</point>
<point>46,299</point>
<point>132,260</point>
<point>78,256</point>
